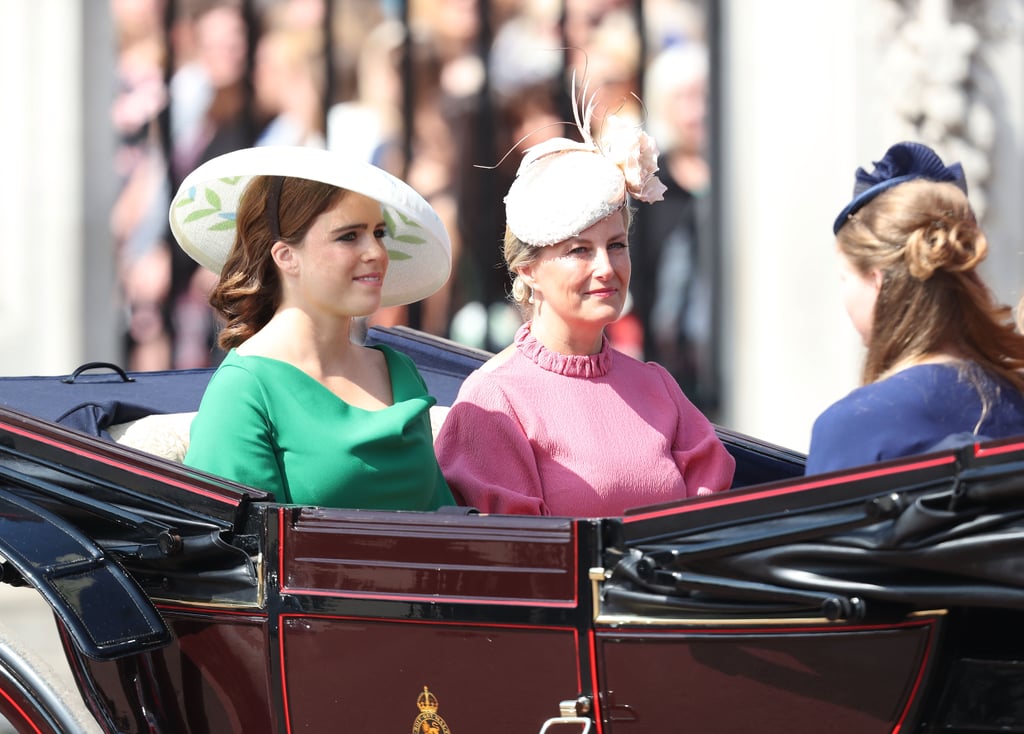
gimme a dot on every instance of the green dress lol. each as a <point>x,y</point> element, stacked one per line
<point>267,424</point>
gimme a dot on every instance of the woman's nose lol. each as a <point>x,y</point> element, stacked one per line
<point>375,249</point>
<point>602,262</point>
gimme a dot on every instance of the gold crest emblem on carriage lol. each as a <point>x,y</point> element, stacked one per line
<point>429,721</point>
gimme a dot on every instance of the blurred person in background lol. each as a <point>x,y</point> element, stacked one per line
<point>138,217</point>
<point>288,87</point>
<point>453,106</point>
<point>211,113</point>
<point>443,93</point>
<point>674,256</point>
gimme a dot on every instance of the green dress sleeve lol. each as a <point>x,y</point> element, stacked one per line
<point>232,435</point>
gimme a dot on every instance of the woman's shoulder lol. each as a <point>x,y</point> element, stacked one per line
<point>236,367</point>
<point>900,400</point>
<point>240,366</point>
<point>909,385</point>
<point>498,360</point>
<point>626,366</point>
<point>503,380</point>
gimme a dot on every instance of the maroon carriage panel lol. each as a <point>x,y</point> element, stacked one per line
<point>214,677</point>
<point>773,680</point>
<point>367,675</point>
<point>503,560</point>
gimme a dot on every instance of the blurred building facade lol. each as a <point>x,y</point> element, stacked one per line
<point>801,93</point>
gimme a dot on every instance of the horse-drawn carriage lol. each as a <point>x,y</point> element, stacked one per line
<point>883,599</point>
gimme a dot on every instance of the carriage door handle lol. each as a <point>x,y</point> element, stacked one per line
<point>569,711</point>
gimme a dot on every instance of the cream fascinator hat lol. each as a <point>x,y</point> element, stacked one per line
<point>202,214</point>
<point>564,186</point>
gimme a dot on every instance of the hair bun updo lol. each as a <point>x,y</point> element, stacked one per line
<point>950,241</point>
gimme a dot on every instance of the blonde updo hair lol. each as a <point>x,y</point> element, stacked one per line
<point>924,239</point>
<point>518,253</point>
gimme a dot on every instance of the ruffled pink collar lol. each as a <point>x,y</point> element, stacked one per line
<point>570,365</point>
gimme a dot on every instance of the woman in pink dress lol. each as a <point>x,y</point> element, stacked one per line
<point>560,423</point>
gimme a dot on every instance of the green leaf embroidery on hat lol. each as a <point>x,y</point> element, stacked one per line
<point>407,221</point>
<point>199,214</point>
<point>214,199</point>
<point>399,255</point>
<point>223,225</point>
<point>226,222</point>
<point>392,227</point>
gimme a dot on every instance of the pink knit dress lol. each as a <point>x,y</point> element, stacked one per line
<point>545,433</point>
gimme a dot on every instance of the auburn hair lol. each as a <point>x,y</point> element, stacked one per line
<point>249,291</point>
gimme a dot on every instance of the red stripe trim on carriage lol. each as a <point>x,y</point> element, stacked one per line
<point>284,682</point>
<point>280,550</point>
<point>21,711</point>
<point>728,498</point>
<point>432,598</point>
<point>916,688</point>
<point>442,622</point>
<point>825,627</point>
<point>118,464</point>
<point>997,450</point>
<point>594,684</point>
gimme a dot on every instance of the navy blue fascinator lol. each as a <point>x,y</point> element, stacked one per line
<point>902,162</point>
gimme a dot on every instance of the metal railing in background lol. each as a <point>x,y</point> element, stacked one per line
<point>462,105</point>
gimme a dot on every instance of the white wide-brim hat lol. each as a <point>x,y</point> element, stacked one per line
<point>203,212</point>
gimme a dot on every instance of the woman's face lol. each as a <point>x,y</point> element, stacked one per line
<point>859,292</point>
<point>582,282</point>
<point>340,266</point>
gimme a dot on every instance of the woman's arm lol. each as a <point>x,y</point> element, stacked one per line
<point>705,463</point>
<point>232,435</point>
<point>485,455</point>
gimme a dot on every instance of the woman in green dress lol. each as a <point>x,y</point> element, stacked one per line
<point>306,241</point>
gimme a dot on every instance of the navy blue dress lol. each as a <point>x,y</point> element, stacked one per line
<point>910,413</point>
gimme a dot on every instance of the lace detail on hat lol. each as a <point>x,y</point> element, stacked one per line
<point>570,365</point>
<point>563,186</point>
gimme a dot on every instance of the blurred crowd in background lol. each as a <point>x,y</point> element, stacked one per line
<point>445,94</point>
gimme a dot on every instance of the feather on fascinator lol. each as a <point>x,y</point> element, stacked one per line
<point>564,186</point>
<point>901,163</point>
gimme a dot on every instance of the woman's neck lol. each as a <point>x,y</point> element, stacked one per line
<point>939,357</point>
<point>292,336</point>
<point>565,339</point>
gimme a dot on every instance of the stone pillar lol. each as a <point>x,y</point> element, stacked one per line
<point>41,275</point>
<point>789,135</point>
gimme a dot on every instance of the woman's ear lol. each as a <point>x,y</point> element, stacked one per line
<point>284,257</point>
<point>525,273</point>
<point>877,277</point>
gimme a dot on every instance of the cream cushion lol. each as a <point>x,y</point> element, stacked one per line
<point>162,434</point>
<point>167,434</point>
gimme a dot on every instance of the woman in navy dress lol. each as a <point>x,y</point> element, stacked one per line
<point>944,360</point>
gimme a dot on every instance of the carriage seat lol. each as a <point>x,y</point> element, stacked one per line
<point>162,434</point>
<point>167,434</point>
